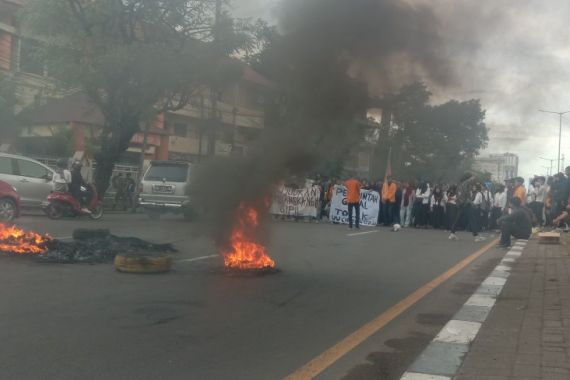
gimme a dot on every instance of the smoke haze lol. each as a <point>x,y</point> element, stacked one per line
<point>511,54</point>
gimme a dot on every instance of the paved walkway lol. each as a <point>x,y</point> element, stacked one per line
<point>515,326</point>
<point>527,334</point>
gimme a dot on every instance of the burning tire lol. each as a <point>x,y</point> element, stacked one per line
<point>143,263</point>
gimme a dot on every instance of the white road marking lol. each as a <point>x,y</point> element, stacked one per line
<point>461,332</point>
<point>503,268</point>
<point>495,281</point>
<point>196,258</point>
<point>423,376</point>
<point>481,300</point>
<point>362,233</point>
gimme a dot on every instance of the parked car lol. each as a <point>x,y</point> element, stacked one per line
<point>32,179</point>
<point>164,188</point>
<point>9,202</point>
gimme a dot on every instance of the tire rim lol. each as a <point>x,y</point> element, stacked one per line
<point>54,211</point>
<point>7,210</point>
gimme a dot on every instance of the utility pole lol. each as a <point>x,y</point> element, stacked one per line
<point>214,120</point>
<point>560,114</point>
<point>551,160</point>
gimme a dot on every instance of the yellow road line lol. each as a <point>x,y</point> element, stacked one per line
<point>330,356</point>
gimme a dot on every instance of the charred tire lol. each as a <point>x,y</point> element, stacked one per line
<point>54,210</point>
<point>97,212</point>
<point>8,209</point>
<point>141,263</point>
<point>86,234</point>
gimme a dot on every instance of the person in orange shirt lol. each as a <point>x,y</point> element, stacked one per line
<point>388,200</point>
<point>520,191</point>
<point>353,187</point>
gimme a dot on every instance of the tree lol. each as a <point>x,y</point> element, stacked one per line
<point>8,102</point>
<point>435,142</point>
<point>134,58</point>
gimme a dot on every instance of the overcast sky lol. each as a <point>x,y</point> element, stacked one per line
<point>514,55</point>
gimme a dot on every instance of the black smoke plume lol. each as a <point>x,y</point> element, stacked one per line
<point>323,61</point>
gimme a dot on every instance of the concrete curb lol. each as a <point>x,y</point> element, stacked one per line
<point>444,355</point>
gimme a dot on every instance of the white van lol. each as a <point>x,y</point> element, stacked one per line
<point>164,188</point>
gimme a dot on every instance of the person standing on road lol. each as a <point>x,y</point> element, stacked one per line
<point>408,198</point>
<point>353,187</point>
<point>130,187</point>
<point>520,191</point>
<point>499,206</point>
<point>422,205</point>
<point>518,223</point>
<point>388,200</point>
<point>437,208</point>
<point>539,195</point>
<point>476,209</point>
<point>462,195</point>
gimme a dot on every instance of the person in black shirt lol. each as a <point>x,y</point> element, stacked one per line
<point>518,223</point>
<point>77,183</point>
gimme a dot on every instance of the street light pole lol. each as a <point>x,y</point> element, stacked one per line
<point>551,160</point>
<point>560,114</point>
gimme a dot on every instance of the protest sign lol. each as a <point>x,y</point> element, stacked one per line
<point>369,206</point>
<point>296,202</point>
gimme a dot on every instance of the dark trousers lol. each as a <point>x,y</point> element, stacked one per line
<point>438,217</point>
<point>354,207</point>
<point>496,213</point>
<point>388,213</point>
<point>475,220</point>
<point>537,209</point>
<point>453,216</point>
<point>510,228</point>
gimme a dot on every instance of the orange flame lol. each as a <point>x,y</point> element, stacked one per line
<point>245,251</point>
<point>16,240</point>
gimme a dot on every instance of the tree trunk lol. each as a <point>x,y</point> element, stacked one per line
<point>112,147</point>
<point>103,173</point>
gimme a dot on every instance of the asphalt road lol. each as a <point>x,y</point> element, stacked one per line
<point>80,321</point>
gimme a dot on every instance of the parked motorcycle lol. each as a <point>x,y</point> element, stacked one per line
<point>58,205</point>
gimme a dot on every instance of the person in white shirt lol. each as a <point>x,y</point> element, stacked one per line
<point>499,206</point>
<point>62,177</point>
<point>539,194</point>
<point>423,194</point>
<point>476,210</point>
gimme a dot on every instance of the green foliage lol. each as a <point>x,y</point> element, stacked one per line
<point>436,142</point>
<point>134,58</point>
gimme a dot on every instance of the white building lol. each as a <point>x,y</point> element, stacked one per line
<point>500,166</point>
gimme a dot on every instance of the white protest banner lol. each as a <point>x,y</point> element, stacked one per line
<point>369,206</point>
<point>296,202</point>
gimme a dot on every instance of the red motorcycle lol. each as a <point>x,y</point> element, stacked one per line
<point>58,205</point>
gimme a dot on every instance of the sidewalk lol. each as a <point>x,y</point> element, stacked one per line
<point>527,333</point>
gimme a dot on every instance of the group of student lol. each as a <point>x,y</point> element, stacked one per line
<point>469,205</point>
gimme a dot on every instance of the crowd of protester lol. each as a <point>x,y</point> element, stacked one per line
<point>469,205</point>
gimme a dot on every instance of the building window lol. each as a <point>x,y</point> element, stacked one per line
<point>30,60</point>
<point>180,130</point>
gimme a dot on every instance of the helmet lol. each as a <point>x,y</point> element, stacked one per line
<point>62,163</point>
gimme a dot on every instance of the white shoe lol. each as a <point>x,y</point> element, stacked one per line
<point>86,210</point>
<point>479,239</point>
<point>453,237</point>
